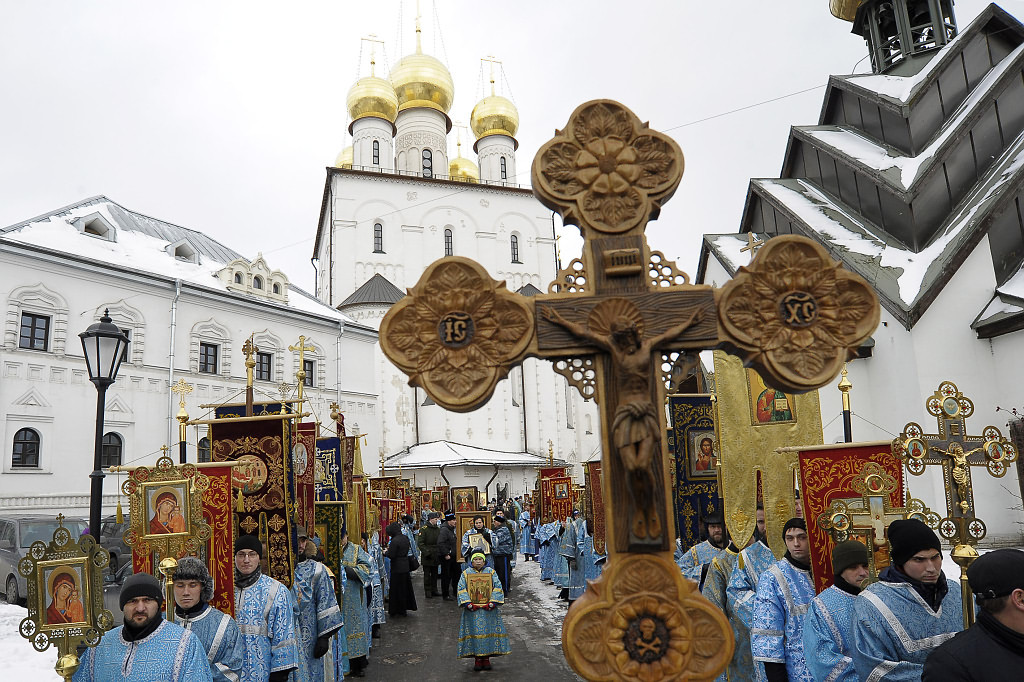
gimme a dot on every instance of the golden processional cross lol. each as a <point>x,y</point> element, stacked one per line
<point>793,314</point>
<point>300,375</point>
<point>956,452</point>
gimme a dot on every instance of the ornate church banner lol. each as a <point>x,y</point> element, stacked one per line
<point>263,449</point>
<point>330,519</point>
<point>829,473</point>
<point>692,454</point>
<point>753,421</point>
<point>595,504</point>
<point>303,461</point>
<point>327,479</point>
<point>348,470</point>
<point>218,503</point>
<point>556,496</point>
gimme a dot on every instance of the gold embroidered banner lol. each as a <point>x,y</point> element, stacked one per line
<point>754,420</point>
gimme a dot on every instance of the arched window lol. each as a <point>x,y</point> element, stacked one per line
<point>113,446</point>
<point>257,282</point>
<point>378,238</point>
<point>238,278</point>
<point>204,450</point>
<point>25,454</point>
<point>504,169</point>
<point>448,248</point>
<point>277,288</point>
<point>376,153</point>
<point>515,248</point>
<point>428,164</point>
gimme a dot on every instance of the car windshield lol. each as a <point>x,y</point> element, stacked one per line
<point>31,531</point>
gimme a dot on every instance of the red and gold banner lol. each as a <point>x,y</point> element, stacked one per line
<point>827,473</point>
<point>556,494</point>
<point>348,463</point>
<point>304,463</point>
<point>218,503</point>
<point>551,472</point>
<point>387,484</point>
<point>595,504</point>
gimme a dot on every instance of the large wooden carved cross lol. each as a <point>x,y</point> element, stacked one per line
<point>793,314</point>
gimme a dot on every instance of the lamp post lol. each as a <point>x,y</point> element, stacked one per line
<point>104,345</point>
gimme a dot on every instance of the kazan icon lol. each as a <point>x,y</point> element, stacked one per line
<point>63,589</point>
<point>165,509</point>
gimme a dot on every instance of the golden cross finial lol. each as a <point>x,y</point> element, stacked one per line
<point>492,60</point>
<point>301,374</point>
<point>249,349</point>
<point>182,388</point>
<point>419,47</point>
<point>60,519</point>
<point>163,450</point>
<point>752,244</point>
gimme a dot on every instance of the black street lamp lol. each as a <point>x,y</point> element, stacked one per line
<point>104,345</point>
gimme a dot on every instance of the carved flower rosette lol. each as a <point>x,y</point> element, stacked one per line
<point>795,314</point>
<point>457,333</point>
<point>607,170</point>
<point>641,620</point>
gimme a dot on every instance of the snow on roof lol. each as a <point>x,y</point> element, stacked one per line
<point>443,452</point>
<point>729,248</point>
<point>880,158</point>
<point>912,270</point>
<point>136,248</point>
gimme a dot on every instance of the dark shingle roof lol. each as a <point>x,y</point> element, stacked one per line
<point>528,290</point>
<point>377,289</point>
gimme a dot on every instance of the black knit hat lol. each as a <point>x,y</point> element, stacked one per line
<point>795,522</point>
<point>449,517</point>
<point>907,537</point>
<point>848,553</point>
<point>191,568</point>
<point>249,542</point>
<point>433,515</point>
<point>997,574</point>
<point>140,585</point>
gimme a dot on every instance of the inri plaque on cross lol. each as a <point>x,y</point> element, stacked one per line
<point>794,314</point>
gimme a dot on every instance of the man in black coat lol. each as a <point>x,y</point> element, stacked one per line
<point>993,648</point>
<point>427,542</point>
<point>448,555</point>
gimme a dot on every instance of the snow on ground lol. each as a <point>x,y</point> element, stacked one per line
<point>20,660</point>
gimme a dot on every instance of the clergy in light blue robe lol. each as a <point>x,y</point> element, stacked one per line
<point>221,639</point>
<point>593,562</point>
<point>546,553</point>
<point>526,535</point>
<point>752,562</point>
<point>894,629</point>
<point>169,653</point>
<point>784,594</point>
<point>265,613</point>
<point>355,563</point>
<point>741,667</point>
<point>827,632</point>
<point>377,612</point>
<point>576,545</point>
<point>481,631</point>
<point>414,549</point>
<point>564,548</point>
<point>693,560</point>
<point>377,552</point>
<point>319,617</point>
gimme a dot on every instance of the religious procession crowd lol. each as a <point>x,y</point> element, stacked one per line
<point>907,625</point>
<point>305,633</point>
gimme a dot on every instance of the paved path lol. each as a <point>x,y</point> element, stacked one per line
<point>422,646</point>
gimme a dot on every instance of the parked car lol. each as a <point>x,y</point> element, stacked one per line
<point>112,591</point>
<point>17,533</point>
<point>111,539</point>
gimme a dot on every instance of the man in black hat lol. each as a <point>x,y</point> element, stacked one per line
<point>993,648</point>
<point>193,590</point>
<point>265,613</point>
<point>912,609</point>
<point>426,539</point>
<point>697,557</point>
<point>502,546</point>
<point>784,593</point>
<point>827,628</point>
<point>447,552</point>
<point>146,647</point>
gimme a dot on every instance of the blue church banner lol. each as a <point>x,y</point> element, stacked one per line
<point>327,479</point>
<point>693,459</point>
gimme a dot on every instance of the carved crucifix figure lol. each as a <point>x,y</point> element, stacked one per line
<point>793,314</point>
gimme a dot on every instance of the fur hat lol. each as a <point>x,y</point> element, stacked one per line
<point>140,585</point>
<point>191,568</point>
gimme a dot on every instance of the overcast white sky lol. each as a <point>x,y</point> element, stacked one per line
<point>221,116</point>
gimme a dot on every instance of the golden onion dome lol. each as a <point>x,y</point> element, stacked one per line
<point>420,80</point>
<point>844,9</point>
<point>463,170</point>
<point>494,115</point>
<point>344,159</point>
<point>372,96</point>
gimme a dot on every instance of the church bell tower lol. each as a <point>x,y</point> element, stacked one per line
<point>901,34</point>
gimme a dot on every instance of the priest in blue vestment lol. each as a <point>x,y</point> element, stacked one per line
<point>146,647</point>
<point>827,644</point>
<point>564,545</point>
<point>193,590</point>
<point>407,531</point>
<point>741,667</point>
<point>912,609</point>
<point>576,548</point>
<point>546,551</point>
<point>318,618</point>
<point>693,561</point>
<point>265,613</point>
<point>377,613</point>
<point>526,535</point>
<point>355,563</point>
<point>481,628</point>
<point>784,594</point>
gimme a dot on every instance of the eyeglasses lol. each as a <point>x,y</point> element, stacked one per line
<point>247,555</point>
